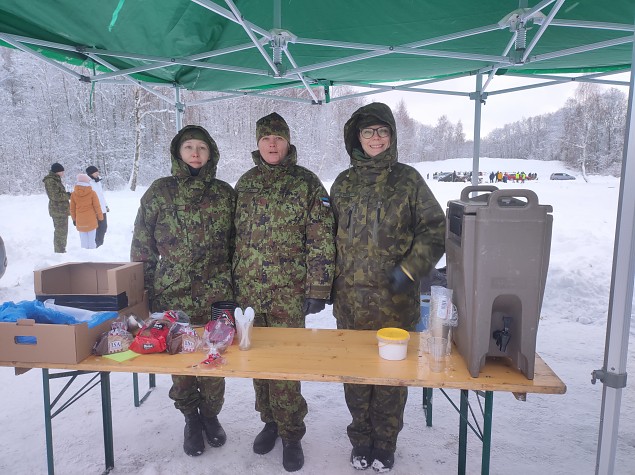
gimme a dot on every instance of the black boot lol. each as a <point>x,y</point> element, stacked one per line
<point>265,441</point>
<point>383,460</point>
<point>361,458</point>
<point>292,455</point>
<point>216,436</point>
<point>193,444</point>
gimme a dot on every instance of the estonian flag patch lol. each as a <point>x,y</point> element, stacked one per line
<point>325,201</point>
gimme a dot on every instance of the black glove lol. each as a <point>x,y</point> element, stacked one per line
<point>399,281</point>
<point>74,223</point>
<point>313,306</point>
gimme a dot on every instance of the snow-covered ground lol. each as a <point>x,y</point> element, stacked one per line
<point>547,434</point>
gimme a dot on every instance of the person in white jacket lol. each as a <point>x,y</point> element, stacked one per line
<point>95,183</point>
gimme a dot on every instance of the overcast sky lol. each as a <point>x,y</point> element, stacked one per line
<point>498,110</point>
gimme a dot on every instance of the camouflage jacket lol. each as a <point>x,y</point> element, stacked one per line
<point>184,235</point>
<point>386,216</point>
<point>285,248</point>
<point>59,206</point>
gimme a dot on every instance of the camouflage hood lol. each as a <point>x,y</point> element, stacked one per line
<point>180,168</point>
<point>382,113</point>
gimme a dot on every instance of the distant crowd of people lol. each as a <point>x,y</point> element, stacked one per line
<point>511,177</point>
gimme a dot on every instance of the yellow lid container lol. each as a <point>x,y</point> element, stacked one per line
<point>393,343</point>
<point>393,334</point>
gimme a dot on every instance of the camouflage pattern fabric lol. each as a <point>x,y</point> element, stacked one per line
<point>285,252</point>
<point>184,235</point>
<point>377,414</point>
<point>273,124</point>
<point>59,205</point>
<point>192,393</point>
<point>59,209</point>
<point>386,216</point>
<point>282,402</point>
<point>284,240</point>
<point>60,233</point>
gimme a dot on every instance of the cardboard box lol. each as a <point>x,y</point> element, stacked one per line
<point>56,343</point>
<point>96,286</point>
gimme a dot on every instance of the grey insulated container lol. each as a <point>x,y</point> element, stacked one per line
<point>497,244</point>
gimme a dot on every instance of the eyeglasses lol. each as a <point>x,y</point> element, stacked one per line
<point>368,132</point>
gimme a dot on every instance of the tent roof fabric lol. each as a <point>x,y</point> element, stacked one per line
<point>202,45</point>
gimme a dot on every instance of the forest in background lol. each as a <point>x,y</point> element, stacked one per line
<point>47,116</point>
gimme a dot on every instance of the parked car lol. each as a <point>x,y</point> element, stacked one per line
<point>450,177</point>
<point>561,176</point>
<point>3,258</point>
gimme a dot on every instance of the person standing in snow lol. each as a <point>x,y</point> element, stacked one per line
<point>283,268</point>
<point>390,233</point>
<point>95,184</point>
<point>85,211</point>
<point>184,235</point>
<point>58,206</point>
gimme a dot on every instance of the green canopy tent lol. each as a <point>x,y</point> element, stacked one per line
<point>240,47</point>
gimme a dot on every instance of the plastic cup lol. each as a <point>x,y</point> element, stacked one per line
<point>244,334</point>
<point>437,348</point>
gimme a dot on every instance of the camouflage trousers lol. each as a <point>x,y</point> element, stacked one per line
<point>192,393</point>
<point>377,414</point>
<point>282,402</point>
<point>60,233</point>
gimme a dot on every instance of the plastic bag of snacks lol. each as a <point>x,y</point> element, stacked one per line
<point>218,335</point>
<point>114,341</point>
<point>152,336</point>
<point>182,338</point>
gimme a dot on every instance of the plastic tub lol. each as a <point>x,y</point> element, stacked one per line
<point>393,343</point>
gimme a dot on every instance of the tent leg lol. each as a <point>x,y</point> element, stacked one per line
<point>613,373</point>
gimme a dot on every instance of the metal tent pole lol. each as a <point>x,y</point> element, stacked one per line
<point>477,96</point>
<point>613,372</point>
<point>179,107</point>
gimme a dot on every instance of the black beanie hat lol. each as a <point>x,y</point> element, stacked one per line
<point>90,170</point>
<point>57,167</point>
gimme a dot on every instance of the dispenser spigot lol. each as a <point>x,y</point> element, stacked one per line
<point>503,336</point>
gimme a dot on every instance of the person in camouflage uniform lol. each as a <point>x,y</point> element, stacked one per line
<point>390,233</point>
<point>283,267</point>
<point>184,235</point>
<point>59,207</point>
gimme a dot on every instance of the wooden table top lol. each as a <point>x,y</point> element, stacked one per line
<point>345,356</point>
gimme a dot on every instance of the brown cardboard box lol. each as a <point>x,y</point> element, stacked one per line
<point>56,343</point>
<point>96,286</point>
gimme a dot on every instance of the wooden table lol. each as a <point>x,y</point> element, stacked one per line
<point>303,354</point>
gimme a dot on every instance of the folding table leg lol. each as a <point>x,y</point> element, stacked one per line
<point>427,405</point>
<point>48,427</point>
<point>463,431</point>
<point>106,410</point>
<point>487,432</point>
<point>135,388</point>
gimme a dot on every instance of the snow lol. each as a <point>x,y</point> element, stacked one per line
<point>546,434</point>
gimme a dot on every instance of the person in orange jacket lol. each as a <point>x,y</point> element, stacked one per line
<point>85,211</point>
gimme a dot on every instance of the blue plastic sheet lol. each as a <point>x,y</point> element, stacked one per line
<point>35,310</point>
